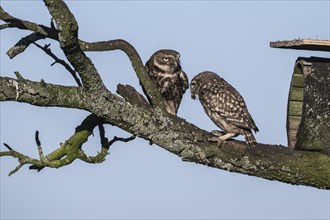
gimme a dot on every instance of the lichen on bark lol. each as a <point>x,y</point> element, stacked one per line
<point>151,123</point>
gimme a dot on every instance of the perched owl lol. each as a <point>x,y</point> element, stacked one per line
<point>225,107</point>
<point>165,71</point>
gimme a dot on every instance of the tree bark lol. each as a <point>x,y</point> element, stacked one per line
<point>151,123</point>
<point>314,128</point>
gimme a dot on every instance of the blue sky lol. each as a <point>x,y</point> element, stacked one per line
<point>137,180</point>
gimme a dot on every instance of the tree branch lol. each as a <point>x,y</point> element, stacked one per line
<point>21,24</point>
<point>22,44</point>
<point>129,50</point>
<point>41,93</point>
<point>70,150</point>
<point>42,157</point>
<point>47,50</point>
<point>153,124</point>
<point>69,43</point>
<point>186,140</point>
<point>71,28</point>
<point>132,96</point>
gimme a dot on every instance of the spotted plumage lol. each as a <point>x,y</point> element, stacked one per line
<point>225,107</point>
<point>165,71</point>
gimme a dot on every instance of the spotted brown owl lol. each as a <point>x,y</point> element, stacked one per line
<point>165,71</point>
<point>225,107</point>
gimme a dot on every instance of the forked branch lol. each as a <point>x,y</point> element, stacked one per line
<point>152,124</point>
<point>70,150</point>
<point>48,51</point>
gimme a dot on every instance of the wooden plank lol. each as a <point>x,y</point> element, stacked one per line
<point>297,80</point>
<point>292,138</point>
<point>303,44</point>
<point>295,108</point>
<point>296,94</point>
<point>293,135</point>
<point>293,122</point>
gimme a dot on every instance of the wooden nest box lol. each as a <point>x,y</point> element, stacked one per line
<point>308,110</point>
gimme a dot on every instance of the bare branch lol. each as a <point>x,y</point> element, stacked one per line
<point>4,26</point>
<point>16,169</point>
<point>129,50</point>
<point>41,93</point>
<point>105,145</point>
<point>153,124</point>
<point>69,43</point>
<point>11,21</point>
<point>8,147</point>
<point>71,149</point>
<point>100,157</point>
<point>66,154</point>
<point>21,45</point>
<point>47,50</point>
<point>115,139</point>
<point>42,157</point>
<point>22,159</point>
<point>132,96</point>
<point>104,140</point>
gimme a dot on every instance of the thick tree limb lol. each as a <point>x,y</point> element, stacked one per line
<point>190,143</point>
<point>69,43</point>
<point>153,124</point>
<point>41,93</point>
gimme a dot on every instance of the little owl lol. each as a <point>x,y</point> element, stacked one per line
<point>165,71</point>
<point>225,107</point>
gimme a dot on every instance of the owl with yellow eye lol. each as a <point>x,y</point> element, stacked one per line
<point>165,71</point>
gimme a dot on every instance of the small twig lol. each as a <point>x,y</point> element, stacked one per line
<point>105,145</point>
<point>8,147</point>
<point>115,139</point>
<point>104,140</point>
<point>18,75</point>
<point>4,26</point>
<point>52,23</point>
<point>16,169</point>
<point>22,159</point>
<point>42,157</point>
<point>48,51</point>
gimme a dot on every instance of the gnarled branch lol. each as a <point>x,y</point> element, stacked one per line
<point>42,32</point>
<point>70,150</point>
<point>153,124</point>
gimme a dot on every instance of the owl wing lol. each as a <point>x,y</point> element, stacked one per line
<point>225,100</point>
<point>143,89</point>
<point>184,80</point>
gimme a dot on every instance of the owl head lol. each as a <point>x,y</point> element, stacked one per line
<point>198,81</point>
<point>167,61</point>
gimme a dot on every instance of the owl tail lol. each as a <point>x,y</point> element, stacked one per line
<point>249,138</point>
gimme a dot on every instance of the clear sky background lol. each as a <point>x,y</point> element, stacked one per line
<point>139,181</point>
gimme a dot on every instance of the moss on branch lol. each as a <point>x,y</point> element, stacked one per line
<point>153,124</point>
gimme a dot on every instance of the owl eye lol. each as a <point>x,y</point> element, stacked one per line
<point>166,59</point>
